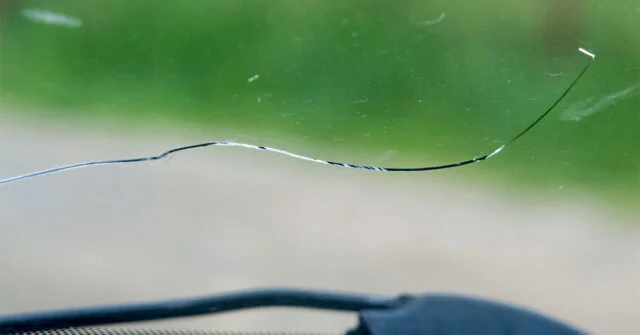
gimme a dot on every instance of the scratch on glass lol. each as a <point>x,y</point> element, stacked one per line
<point>583,108</point>
<point>48,17</point>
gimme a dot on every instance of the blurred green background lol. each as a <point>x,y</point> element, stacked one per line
<point>392,83</point>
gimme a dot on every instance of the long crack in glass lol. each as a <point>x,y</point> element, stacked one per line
<point>312,159</point>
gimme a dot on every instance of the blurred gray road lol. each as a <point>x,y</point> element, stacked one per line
<point>220,219</point>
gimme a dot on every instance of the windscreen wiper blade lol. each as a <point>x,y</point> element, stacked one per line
<point>378,315</point>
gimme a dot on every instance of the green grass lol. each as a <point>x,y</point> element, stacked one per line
<point>349,80</point>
